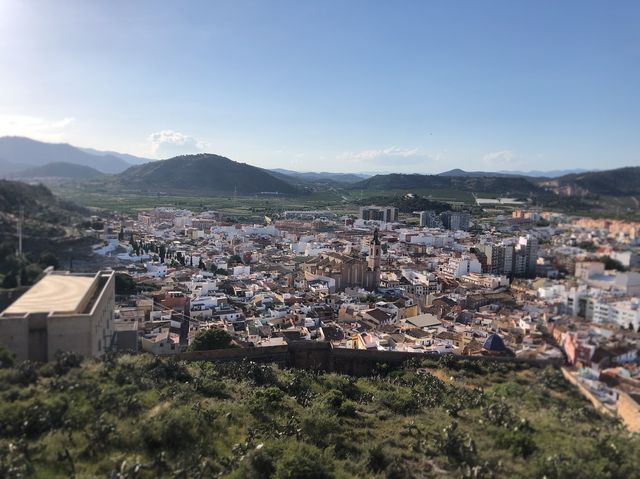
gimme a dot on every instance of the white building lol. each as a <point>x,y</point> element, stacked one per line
<point>458,267</point>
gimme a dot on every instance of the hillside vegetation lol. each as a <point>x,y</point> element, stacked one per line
<point>206,174</point>
<point>60,170</point>
<point>47,231</point>
<point>503,185</point>
<point>45,214</point>
<point>618,182</point>
<point>147,417</point>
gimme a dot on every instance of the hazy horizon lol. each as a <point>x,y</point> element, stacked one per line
<point>423,87</point>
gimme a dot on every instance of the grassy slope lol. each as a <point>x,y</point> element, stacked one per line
<point>147,417</point>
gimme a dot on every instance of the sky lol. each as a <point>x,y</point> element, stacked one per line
<point>351,86</point>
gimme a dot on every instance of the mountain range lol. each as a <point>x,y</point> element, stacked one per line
<point>310,176</point>
<point>58,170</point>
<point>20,153</point>
<point>209,174</point>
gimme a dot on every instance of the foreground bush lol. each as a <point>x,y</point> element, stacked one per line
<point>146,417</point>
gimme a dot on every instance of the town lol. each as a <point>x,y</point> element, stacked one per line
<point>524,284</point>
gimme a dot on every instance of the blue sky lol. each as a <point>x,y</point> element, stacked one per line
<point>349,85</point>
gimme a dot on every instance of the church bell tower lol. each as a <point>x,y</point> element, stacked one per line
<point>375,251</point>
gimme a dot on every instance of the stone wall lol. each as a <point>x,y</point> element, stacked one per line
<point>586,393</point>
<point>629,411</point>
<point>322,356</point>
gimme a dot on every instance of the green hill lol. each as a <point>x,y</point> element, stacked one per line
<point>46,231</point>
<point>504,185</point>
<point>204,174</point>
<point>618,183</point>
<point>147,417</point>
<point>61,169</point>
<point>44,213</point>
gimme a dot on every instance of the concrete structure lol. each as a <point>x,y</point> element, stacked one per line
<point>455,220</point>
<point>458,267</point>
<point>61,312</point>
<point>525,256</point>
<point>387,214</point>
<point>347,271</point>
<point>429,219</point>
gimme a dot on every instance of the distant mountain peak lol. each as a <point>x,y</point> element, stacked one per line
<point>26,152</point>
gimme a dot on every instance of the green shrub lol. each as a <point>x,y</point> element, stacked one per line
<point>400,402</point>
<point>265,401</point>
<point>209,339</point>
<point>319,425</point>
<point>171,429</point>
<point>302,461</point>
<point>7,358</point>
<point>518,440</point>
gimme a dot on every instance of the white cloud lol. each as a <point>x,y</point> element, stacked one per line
<point>500,157</point>
<point>169,143</point>
<point>34,127</point>
<point>382,154</point>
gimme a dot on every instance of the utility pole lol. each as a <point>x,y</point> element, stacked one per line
<point>20,221</point>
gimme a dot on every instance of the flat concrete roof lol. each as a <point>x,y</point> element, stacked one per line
<point>55,293</point>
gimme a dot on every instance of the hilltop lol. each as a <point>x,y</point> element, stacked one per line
<point>205,174</point>
<point>147,417</point>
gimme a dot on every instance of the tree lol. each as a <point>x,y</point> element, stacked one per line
<point>211,339</point>
<point>162,253</point>
<point>201,264</point>
<point>47,258</point>
<point>610,263</point>
<point>125,284</point>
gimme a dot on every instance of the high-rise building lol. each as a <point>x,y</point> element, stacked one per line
<point>429,219</point>
<point>387,214</point>
<point>525,256</point>
<point>455,220</point>
<point>497,258</point>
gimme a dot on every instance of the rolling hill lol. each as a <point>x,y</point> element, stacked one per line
<point>617,183</point>
<point>504,185</point>
<point>457,172</point>
<point>531,174</point>
<point>205,174</point>
<point>19,152</point>
<point>310,176</point>
<point>44,213</point>
<point>61,169</point>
